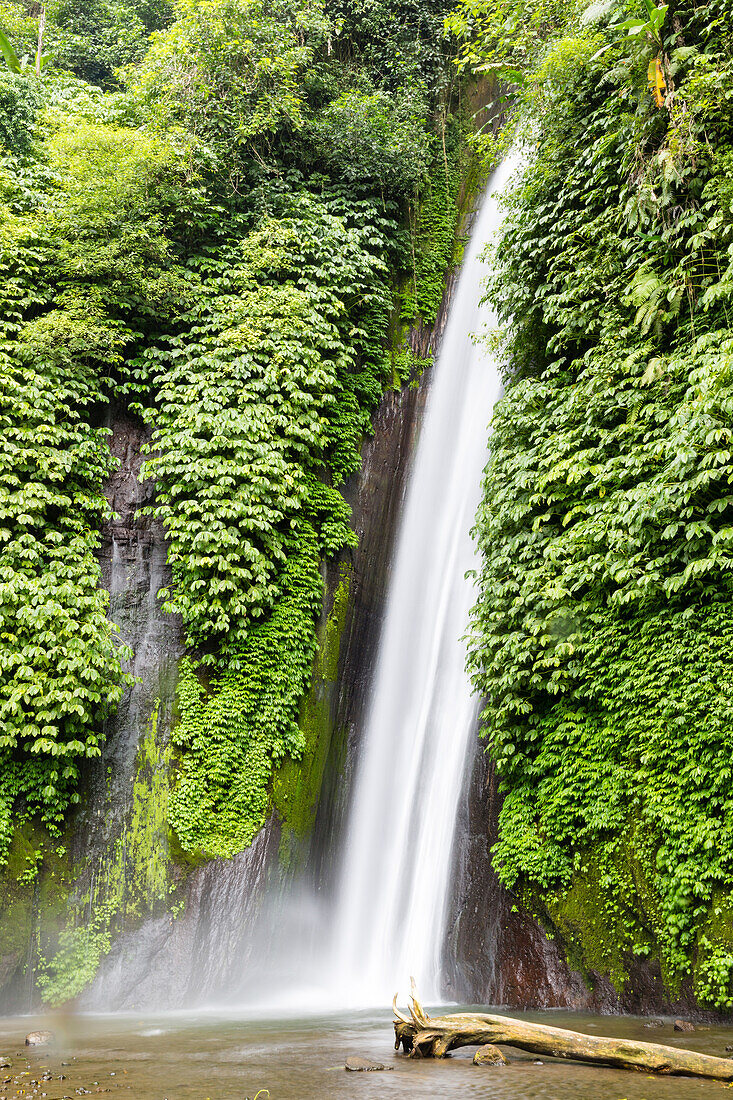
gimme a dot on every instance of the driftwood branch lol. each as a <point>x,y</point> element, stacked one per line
<point>422,1036</point>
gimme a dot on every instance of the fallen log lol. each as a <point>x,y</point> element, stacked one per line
<point>422,1036</point>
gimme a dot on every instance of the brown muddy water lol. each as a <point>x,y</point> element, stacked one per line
<point>208,1055</point>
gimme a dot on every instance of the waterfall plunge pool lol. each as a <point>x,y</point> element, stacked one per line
<point>191,1056</point>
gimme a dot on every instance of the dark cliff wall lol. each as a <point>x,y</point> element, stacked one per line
<point>134,569</point>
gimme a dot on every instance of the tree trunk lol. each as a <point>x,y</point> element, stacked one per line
<point>39,50</point>
<point>423,1037</point>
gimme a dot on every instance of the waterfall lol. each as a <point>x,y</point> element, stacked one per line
<point>395,878</point>
<point>267,945</point>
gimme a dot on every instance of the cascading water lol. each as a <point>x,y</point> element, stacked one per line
<point>396,875</point>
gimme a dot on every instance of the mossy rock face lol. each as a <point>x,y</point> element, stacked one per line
<point>610,916</point>
<point>713,971</point>
<point>297,785</point>
<point>34,897</point>
<point>59,917</point>
<point>16,910</point>
<point>131,881</point>
<point>590,931</point>
<point>606,916</point>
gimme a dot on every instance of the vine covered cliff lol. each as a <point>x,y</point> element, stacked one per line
<point>602,636</point>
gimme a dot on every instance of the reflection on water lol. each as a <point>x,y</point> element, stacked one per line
<point>182,1057</point>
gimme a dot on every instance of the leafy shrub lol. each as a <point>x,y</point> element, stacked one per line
<point>230,71</point>
<point>19,104</point>
<point>377,139</point>
<point>74,269</point>
<point>241,413</point>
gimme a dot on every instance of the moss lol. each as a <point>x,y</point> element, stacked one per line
<point>231,737</point>
<point>130,880</point>
<point>297,785</point>
<point>34,897</point>
<point>16,906</point>
<point>147,833</point>
<point>719,925</point>
<point>598,915</point>
<point>407,367</point>
<point>611,913</point>
<point>580,916</point>
<point>433,231</point>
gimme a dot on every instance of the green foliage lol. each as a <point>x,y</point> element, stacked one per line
<point>231,736</point>
<point>10,57</point>
<point>91,39</point>
<point>376,138</point>
<point>434,239</point>
<point>244,402</point>
<point>643,744</point>
<point>297,783</point>
<point>213,249</point>
<point>651,27</point>
<point>61,670</point>
<point>95,38</point>
<point>261,404</point>
<point>19,104</point>
<point>231,71</point>
<point>76,270</point>
<point>400,43</point>
<point>603,626</point>
<point>504,37</point>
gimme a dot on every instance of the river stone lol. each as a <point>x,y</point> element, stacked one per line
<point>654,1023</point>
<point>683,1025</point>
<point>38,1038</point>
<point>5,1064</point>
<point>357,1064</point>
<point>489,1055</point>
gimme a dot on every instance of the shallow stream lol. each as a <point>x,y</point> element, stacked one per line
<point>231,1057</point>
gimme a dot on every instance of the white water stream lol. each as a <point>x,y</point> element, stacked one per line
<point>386,922</point>
<point>396,873</point>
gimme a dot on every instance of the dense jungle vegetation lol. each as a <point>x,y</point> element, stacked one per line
<point>602,636</point>
<point>218,216</point>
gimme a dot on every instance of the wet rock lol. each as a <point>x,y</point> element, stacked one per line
<point>683,1025</point>
<point>356,1064</point>
<point>654,1023</point>
<point>489,1055</point>
<point>5,1064</point>
<point>38,1038</point>
<point>729,1046</point>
